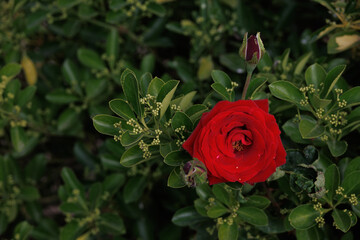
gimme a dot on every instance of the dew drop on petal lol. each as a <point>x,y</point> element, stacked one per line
<point>237,167</point>
<point>239,179</point>
<point>218,156</point>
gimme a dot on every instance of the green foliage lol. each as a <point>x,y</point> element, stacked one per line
<point>97,98</point>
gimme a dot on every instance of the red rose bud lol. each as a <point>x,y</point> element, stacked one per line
<point>252,49</point>
<point>194,173</point>
<point>237,142</point>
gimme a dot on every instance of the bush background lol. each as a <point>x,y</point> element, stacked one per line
<point>62,62</point>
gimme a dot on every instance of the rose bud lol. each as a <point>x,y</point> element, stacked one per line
<point>194,173</point>
<point>237,142</point>
<point>252,49</point>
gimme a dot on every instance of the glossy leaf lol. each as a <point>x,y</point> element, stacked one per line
<point>10,70</point>
<point>286,91</point>
<point>105,124</point>
<point>301,63</point>
<point>315,74</point>
<point>134,188</point>
<point>134,156</point>
<point>352,96</point>
<point>351,183</point>
<point>332,180</point>
<point>337,148</point>
<point>176,158</point>
<point>253,215</point>
<point>341,219</point>
<point>166,94</point>
<point>222,78</point>
<point>309,128</point>
<point>187,216</point>
<point>331,79</point>
<point>254,86</point>
<point>131,90</point>
<point>181,119</point>
<point>155,86</point>
<point>122,109</point>
<point>175,179</point>
<point>220,89</point>
<point>228,232</point>
<point>90,58</point>
<point>303,217</point>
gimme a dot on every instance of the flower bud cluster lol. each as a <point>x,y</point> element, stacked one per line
<point>180,131</point>
<point>151,105</point>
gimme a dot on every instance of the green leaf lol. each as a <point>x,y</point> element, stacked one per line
<point>61,97</point>
<point>352,96</point>
<point>67,3</point>
<point>86,12</point>
<point>332,180</point>
<point>354,165</point>
<point>285,59</point>
<point>317,102</point>
<point>95,87</point>
<point>18,138</point>
<point>220,89</point>
<point>303,216</point>
<point>67,119</point>
<point>175,179</point>
<point>70,231</point>
<point>112,224</point>
<point>204,191</point>
<point>156,9</point>
<point>257,201</point>
<point>10,70</point>
<point>70,179</point>
<point>73,208</point>
<point>342,41</point>
<point>351,183</point>
<point>331,79</point>
<point>341,219</point>
<point>113,182</point>
<point>128,138</point>
<point>25,96</point>
<point>134,156</point>
<point>186,100</point>
<point>116,5</point>
<point>3,222</point>
<point>195,112</point>
<point>309,234</point>
<point>315,74</point>
<point>181,119</point>
<point>221,194</point>
<point>144,83</point>
<point>222,78</point>
<point>23,230</point>
<point>254,86</point>
<point>112,46</point>
<point>291,129</point>
<point>131,90</point>
<point>166,94</point>
<point>216,209</point>
<point>301,63</point>
<point>187,216</point>
<point>134,188</point>
<point>90,59</point>
<point>176,158</point>
<point>228,232</point>
<point>71,75</point>
<point>309,128</point>
<point>29,193</point>
<point>148,63</point>
<point>286,91</point>
<point>105,124</point>
<point>233,62</point>
<point>253,215</point>
<point>337,148</point>
<point>155,86</point>
<point>122,109</point>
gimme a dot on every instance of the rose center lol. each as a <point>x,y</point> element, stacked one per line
<point>238,146</point>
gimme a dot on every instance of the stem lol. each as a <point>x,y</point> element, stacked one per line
<point>248,78</point>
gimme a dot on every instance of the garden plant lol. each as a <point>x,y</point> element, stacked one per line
<point>179,119</point>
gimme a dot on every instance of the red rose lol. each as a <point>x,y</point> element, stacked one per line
<point>238,142</point>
